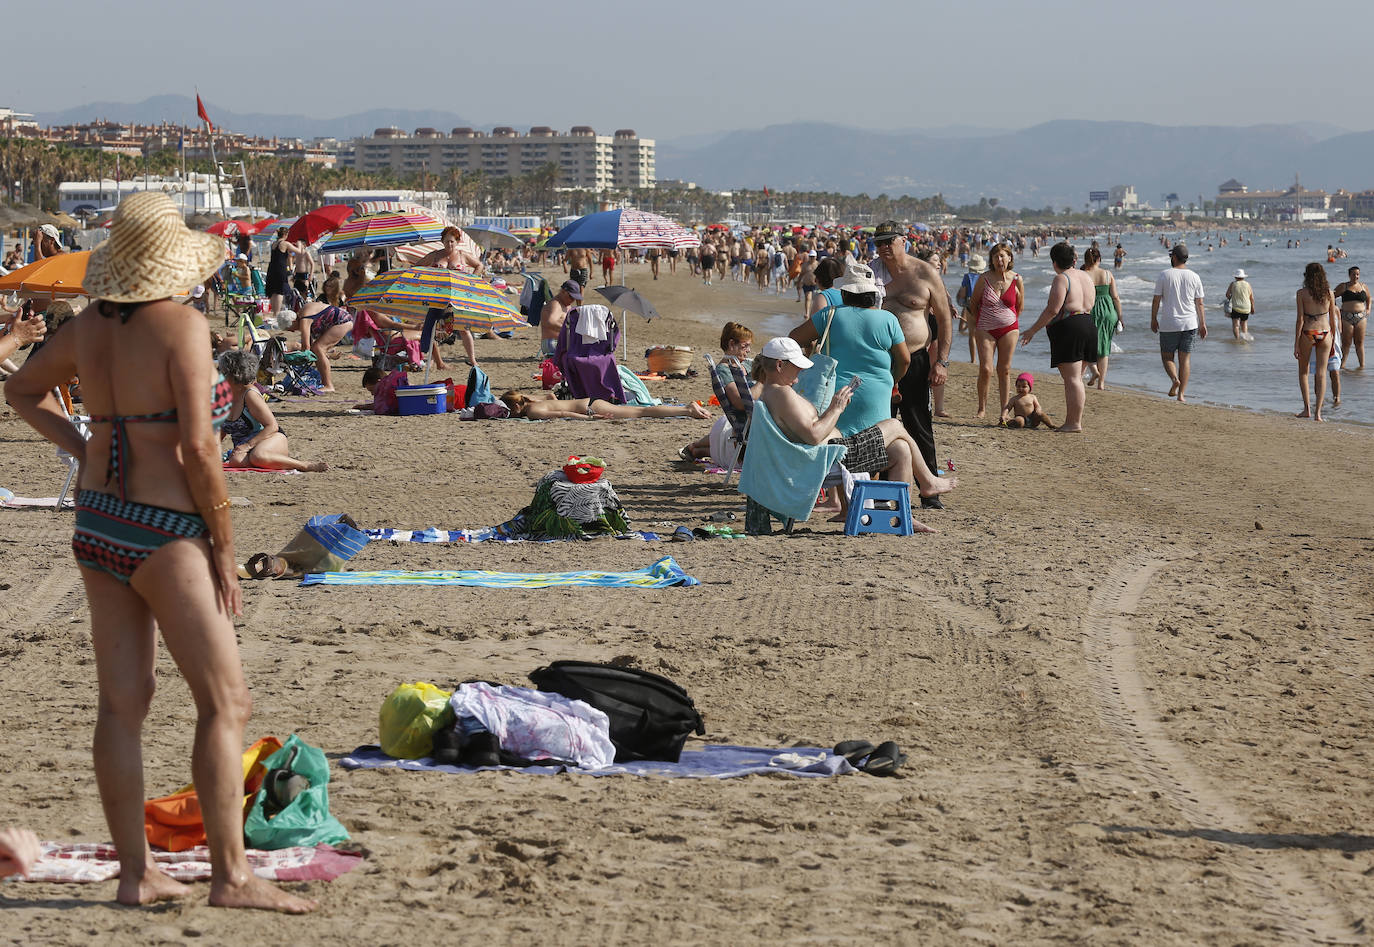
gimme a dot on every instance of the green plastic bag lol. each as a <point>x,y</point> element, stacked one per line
<point>410,717</point>
<point>306,821</point>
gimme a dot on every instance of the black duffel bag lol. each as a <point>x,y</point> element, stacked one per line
<point>650,715</point>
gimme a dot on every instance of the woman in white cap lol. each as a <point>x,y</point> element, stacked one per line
<point>153,538</point>
<point>1241,296</point>
<point>884,448</point>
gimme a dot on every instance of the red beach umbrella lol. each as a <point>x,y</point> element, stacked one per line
<point>319,222</point>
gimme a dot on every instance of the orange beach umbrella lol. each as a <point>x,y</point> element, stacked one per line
<point>56,277</point>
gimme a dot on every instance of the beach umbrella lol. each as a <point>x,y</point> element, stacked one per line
<point>488,237</point>
<point>627,300</point>
<point>366,208</point>
<point>319,222</point>
<point>231,228</point>
<point>470,301</point>
<point>624,228</point>
<point>56,277</point>
<point>623,297</point>
<point>388,229</point>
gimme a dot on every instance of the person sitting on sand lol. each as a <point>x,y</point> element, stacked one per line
<point>1023,408</point>
<point>382,386</point>
<point>255,437</point>
<point>594,409</point>
<point>885,448</point>
<point>736,341</point>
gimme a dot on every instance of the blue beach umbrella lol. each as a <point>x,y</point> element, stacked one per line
<point>624,228</point>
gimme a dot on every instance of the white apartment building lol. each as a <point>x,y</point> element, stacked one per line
<point>584,159</point>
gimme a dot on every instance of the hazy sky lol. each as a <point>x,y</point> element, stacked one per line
<point>668,70</point>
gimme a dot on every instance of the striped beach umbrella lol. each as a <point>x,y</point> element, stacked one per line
<point>471,301</point>
<point>383,230</point>
<point>625,228</point>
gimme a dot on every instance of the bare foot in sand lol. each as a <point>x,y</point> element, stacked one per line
<point>1318,417</point>
<point>1182,400</point>
<point>152,887</point>
<point>253,892</point>
<point>1067,430</point>
<point>981,413</point>
<point>1304,413</point>
<point>918,527</point>
<point>330,389</point>
<point>946,414</point>
<point>318,466</point>
<point>1173,389</point>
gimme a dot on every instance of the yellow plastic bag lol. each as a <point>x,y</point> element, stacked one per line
<point>410,717</point>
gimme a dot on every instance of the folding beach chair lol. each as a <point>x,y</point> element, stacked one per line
<point>739,418</point>
<point>82,423</point>
<point>781,477</point>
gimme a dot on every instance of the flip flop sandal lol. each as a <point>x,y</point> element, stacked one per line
<point>854,750</point>
<point>685,453</point>
<point>885,760</point>
<point>265,566</point>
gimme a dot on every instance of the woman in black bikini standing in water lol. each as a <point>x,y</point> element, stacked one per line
<point>153,538</point>
<point>1316,330</point>
<point>1354,314</point>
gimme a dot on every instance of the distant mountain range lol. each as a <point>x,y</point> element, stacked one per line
<point>1052,164</point>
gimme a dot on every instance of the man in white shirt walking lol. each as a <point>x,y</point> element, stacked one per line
<point>1178,316</point>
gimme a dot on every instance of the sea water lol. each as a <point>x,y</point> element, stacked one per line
<point>1257,376</point>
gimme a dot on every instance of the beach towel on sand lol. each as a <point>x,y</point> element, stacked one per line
<point>515,530</point>
<point>661,575</point>
<point>711,761</point>
<point>85,862</point>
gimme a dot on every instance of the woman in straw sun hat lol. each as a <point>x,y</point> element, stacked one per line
<point>153,538</point>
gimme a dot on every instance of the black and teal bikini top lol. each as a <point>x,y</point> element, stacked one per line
<point>221,400</point>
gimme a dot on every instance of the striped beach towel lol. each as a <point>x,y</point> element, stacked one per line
<point>662,574</point>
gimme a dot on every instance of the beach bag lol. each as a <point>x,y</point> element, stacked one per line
<point>650,716</point>
<point>549,375</point>
<point>175,822</point>
<point>409,718</point>
<point>817,383</point>
<point>490,411</point>
<point>324,544</point>
<point>305,819</point>
<point>778,260</point>
<point>478,388</point>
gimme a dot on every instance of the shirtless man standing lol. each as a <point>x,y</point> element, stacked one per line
<point>579,264</point>
<point>915,295</point>
<point>554,314</point>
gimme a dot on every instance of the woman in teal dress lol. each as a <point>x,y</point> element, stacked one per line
<point>1106,314</point>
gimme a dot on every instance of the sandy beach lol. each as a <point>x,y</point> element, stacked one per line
<point>1133,673</point>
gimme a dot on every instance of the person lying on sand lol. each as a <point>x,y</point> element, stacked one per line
<point>594,409</point>
<point>1023,408</point>
<point>256,438</point>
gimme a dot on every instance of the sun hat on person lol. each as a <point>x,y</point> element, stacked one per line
<point>858,278</point>
<point>51,231</point>
<point>573,288</point>
<point>976,263</point>
<point>1028,378</point>
<point>242,258</point>
<point>150,253</point>
<point>1238,274</point>
<point>785,350</point>
<point>198,291</point>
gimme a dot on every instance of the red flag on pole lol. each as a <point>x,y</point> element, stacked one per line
<point>204,116</point>
<point>765,192</point>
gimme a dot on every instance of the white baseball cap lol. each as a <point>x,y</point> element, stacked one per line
<point>786,350</point>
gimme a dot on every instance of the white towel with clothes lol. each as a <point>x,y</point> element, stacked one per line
<point>591,323</point>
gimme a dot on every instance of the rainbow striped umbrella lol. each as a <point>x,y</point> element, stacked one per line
<point>383,230</point>
<point>472,302</point>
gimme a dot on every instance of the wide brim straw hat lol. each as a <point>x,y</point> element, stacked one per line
<point>150,253</point>
<point>976,264</point>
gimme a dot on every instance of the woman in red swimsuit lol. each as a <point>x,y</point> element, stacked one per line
<point>996,303</point>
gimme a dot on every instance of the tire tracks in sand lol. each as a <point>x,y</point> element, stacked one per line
<point>1294,902</point>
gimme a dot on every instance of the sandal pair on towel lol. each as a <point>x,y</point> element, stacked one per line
<point>265,566</point>
<point>881,760</point>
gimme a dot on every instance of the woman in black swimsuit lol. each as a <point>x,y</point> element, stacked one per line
<point>1316,331</point>
<point>1354,314</point>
